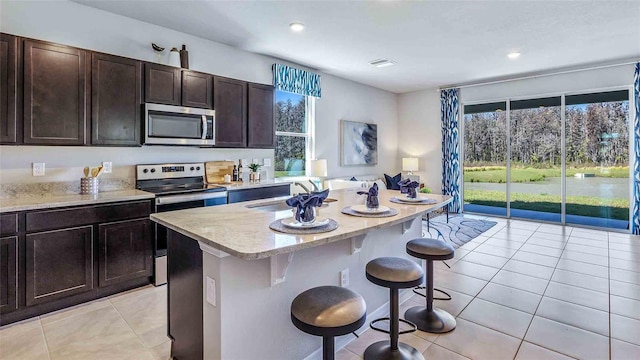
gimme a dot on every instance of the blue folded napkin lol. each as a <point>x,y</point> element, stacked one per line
<point>305,201</point>
<point>408,183</point>
<point>373,191</point>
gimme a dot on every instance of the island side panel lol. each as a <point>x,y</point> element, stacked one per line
<point>185,293</point>
<point>255,317</point>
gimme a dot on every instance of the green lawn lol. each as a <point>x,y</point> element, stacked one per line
<point>498,174</point>
<point>576,205</point>
<point>288,173</point>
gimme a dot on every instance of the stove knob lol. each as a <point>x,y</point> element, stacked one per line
<point>145,171</point>
<point>192,168</point>
<point>198,168</point>
<point>153,170</point>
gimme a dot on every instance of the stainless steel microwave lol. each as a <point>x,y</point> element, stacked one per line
<point>177,125</point>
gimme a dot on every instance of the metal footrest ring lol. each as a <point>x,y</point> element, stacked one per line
<point>448,296</point>
<point>414,327</point>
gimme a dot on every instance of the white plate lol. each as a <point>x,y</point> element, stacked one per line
<point>418,199</point>
<point>293,223</point>
<point>364,210</point>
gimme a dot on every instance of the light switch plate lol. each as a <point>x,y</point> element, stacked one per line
<point>107,167</point>
<point>266,162</point>
<point>211,291</point>
<point>37,169</point>
<point>344,278</point>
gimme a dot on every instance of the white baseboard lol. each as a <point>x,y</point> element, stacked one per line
<point>382,311</point>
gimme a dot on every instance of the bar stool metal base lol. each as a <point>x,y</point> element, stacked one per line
<point>435,321</point>
<point>382,351</point>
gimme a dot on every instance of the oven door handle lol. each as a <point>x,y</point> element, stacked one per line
<point>204,127</point>
<point>174,199</point>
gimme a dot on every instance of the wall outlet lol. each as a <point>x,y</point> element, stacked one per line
<point>37,169</point>
<point>211,291</point>
<point>245,163</point>
<point>107,167</point>
<point>266,162</point>
<point>344,278</point>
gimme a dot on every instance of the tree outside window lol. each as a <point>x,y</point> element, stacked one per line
<point>292,134</point>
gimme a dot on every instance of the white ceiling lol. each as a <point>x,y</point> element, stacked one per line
<point>434,43</point>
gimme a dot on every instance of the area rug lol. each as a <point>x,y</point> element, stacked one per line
<point>457,231</point>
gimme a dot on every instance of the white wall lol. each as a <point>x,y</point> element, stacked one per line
<point>419,129</point>
<point>78,25</point>
<point>420,134</point>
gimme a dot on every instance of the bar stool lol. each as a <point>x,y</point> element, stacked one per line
<point>328,311</point>
<point>430,319</point>
<point>393,273</point>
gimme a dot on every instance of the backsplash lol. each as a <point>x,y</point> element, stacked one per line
<point>64,165</point>
<point>10,191</point>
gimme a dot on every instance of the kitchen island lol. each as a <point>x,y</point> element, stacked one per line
<point>232,279</point>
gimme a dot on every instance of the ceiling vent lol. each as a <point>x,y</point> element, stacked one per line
<point>381,62</point>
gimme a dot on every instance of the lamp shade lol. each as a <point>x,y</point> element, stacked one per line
<point>318,167</point>
<point>410,164</point>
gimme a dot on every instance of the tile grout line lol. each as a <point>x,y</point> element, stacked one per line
<point>542,298</point>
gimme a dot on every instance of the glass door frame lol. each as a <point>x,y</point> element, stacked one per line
<point>563,182</point>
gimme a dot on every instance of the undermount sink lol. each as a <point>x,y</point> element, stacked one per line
<point>280,205</point>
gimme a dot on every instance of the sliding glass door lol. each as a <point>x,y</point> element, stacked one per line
<point>485,158</point>
<point>536,159</point>
<point>597,143</point>
<point>543,159</point>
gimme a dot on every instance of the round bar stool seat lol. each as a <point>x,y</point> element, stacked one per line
<point>328,311</point>
<point>393,273</point>
<point>429,318</point>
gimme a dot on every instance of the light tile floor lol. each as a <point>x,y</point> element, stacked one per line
<point>131,325</point>
<point>522,290</point>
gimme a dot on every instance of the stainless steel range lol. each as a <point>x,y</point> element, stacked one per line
<point>177,187</point>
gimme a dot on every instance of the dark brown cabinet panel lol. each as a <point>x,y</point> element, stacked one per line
<point>162,84</point>
<point>230,103</point>
<point>59,263</point>
<point>8,224</point>
<point>197,90</point>
<point>8,273</point>
<point>9,63</point>
<point>55,98</point>
<point>260,119</point>
<point>116,89</point>
<point>125,251</point>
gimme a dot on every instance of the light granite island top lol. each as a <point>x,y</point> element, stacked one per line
<point>228,269</point>
<point>242,229</point>
<point>47,201</point>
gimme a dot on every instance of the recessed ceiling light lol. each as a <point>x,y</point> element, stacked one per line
<point>381,62</point>
<point>513,55</point>
<point>296,26</point>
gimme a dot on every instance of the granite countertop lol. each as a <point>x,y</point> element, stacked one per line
<point>243,231</point>
<point>241,185</point>
<point>61,200</point>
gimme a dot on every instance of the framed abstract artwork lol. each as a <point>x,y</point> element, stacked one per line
<point>359,143</point>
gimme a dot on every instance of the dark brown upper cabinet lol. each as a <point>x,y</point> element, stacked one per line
<point>116,88</point>
<point>230,100</point>
<point>260,119</point>
<point>197,89</point>
<point>56,83</point>
<point>162,84</point>
<point>9,81</point>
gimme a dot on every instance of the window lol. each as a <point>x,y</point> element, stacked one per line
<point>294,129</point>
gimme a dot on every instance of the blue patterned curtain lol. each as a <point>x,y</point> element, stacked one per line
<point>296,81</point>
<point>450,115</point>
<point>635,225</point>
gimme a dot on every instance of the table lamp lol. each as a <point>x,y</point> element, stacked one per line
<point>410,165</point>
<point>318,169</point>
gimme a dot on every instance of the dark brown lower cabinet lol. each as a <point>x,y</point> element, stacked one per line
<point>8,273</point>
<point>125,251</point>
<point>59,263</point>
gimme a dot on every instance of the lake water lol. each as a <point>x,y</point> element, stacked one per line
<point>599,187</point>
